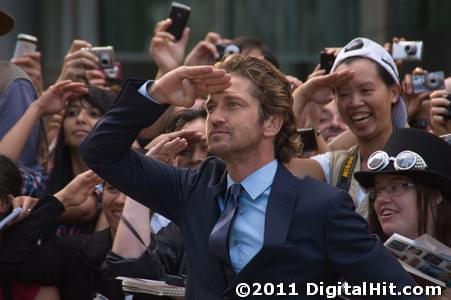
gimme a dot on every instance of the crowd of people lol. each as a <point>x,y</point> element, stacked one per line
<point>203,171</point>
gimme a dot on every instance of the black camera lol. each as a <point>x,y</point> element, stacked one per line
<point>227,49</point>
<point>428,82</point>
<point>326,61</point>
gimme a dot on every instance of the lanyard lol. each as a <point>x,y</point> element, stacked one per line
<point>346,171</point>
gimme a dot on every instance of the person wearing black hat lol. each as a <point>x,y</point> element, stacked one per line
<point>409,186</point>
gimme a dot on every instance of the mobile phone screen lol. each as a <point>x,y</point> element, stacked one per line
<point>179,15</point>
<point>308,139</point>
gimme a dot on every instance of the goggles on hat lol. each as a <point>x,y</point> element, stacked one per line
<point>405,160</point>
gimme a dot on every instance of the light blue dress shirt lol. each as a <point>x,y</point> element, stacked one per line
<point>248,229</point>
<point>143,90</point>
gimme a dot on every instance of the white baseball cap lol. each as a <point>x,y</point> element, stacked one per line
<point>366,48</point>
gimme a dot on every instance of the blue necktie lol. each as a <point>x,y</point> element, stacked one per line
<point>219,235</point>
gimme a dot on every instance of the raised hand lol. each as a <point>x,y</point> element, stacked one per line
<point>319,88</point>
<point>26,203</point>
<point>97,78</point>
<point>294,82</point>
<point>77,60</point>
<point>167,53</point>
<point>54,98</point>
<point>79,189</point>
<point>167,146</point>
<point>418,105</point>
<point>205,52</point>
<point>440,112</point>
<point>388,46</point>
<point>31,64</point>
<point>181,86</point>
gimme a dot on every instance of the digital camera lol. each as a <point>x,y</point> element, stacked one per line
<point>428,82</point>
<point>105,55</point>
<point>408,50</point>
<point>227,49</point>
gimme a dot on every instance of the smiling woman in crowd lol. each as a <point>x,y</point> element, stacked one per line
<point>365,81</point>
<point>409,188</point>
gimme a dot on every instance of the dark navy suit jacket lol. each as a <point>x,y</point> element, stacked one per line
<point>312,233</point>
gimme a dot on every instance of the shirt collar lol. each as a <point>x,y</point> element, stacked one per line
<point>258,181</point>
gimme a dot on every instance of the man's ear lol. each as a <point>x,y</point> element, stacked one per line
<point>272,125</point>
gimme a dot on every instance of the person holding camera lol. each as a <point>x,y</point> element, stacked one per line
<point>418,103</point>
<point>17,93</point>
<point>77,61</point>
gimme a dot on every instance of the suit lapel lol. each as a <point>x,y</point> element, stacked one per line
<point>213,192</point>
<point>279,210</point>
<point>279,213</point>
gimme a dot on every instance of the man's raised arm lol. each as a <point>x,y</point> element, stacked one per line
<point>107,151</point>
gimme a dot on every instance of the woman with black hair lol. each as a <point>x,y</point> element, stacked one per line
<point>80,116</point>
<point>365,82</point>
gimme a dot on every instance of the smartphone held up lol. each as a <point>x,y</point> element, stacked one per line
<point>26,43</point>
<point>179,15</point>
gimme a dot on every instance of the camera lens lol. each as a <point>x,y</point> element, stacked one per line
<point>410,49</point>
<point>105,60</point>
<point>231,49</point>
<point>434,82</point>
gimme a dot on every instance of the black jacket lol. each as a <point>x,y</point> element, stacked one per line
<point>71,263</point>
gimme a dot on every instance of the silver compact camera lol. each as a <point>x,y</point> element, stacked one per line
<point>105,55</point>
<point>428,82</point>
<point>408,50</point>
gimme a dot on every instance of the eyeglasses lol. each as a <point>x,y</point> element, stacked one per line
<point>405,160</point>
<point>393,190</point>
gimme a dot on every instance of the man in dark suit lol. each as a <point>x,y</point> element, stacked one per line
<point>245,218</point>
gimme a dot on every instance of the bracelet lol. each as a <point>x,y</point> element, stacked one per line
<point>420,123</point>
